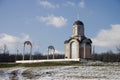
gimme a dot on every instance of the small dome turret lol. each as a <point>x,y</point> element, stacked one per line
<point>78,28</point>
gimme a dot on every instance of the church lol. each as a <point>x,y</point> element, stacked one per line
<point>78,46</point>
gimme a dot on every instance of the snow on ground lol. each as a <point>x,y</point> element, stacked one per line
<point>12,73</point>
<point>61,73</point>
<point>78,73</point>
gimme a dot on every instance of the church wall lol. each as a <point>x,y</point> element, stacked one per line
<point>81,52</point>
<point>88,51</point>
<point>67,51</point>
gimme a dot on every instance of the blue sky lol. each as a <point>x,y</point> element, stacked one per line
<point>49,22</point>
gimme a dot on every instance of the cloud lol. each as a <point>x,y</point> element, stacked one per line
<point>56,52</point>
<point>56,21</point>
<point>48,4</point>
<point>59,52</point>
<point>69,3</point>
<point>12,41</point>
<point>109,37</point>
<point>81,4</point>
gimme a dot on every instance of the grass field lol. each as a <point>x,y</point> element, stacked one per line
<point>7,65</point>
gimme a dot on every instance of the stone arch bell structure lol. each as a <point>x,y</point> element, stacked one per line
<point>51,50</point>
<point>30,44</point>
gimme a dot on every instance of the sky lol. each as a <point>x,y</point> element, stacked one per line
<point>49,22</point>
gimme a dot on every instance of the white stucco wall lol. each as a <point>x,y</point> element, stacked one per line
<point>50,60</point>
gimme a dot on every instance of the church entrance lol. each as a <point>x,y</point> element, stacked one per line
<point>73,48</point>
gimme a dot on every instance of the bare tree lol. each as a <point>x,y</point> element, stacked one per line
<point>118,48</point>
<point>5,49</point>
<point>1,49</point>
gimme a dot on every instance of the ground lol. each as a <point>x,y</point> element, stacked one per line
<point>77,72</point>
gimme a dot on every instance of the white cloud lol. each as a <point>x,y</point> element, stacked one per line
<point>108,38</point>
<point>81,4</point>
<point>69,3</point>
<point>56,21</point>
<point>12,41</point>
<point>59,52</point>
<point>48,4</point>
<point>56,52</point>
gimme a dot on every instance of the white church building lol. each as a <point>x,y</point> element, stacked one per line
<point>78,46</point>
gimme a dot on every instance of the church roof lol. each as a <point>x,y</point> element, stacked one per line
<point>86,40</point>
<point>83,40</point>
<point>67,41</point>
<point>78,22</point>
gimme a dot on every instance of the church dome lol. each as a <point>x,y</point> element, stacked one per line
<point>78,23</point>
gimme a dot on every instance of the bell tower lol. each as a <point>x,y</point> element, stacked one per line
<point>78,29</point>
